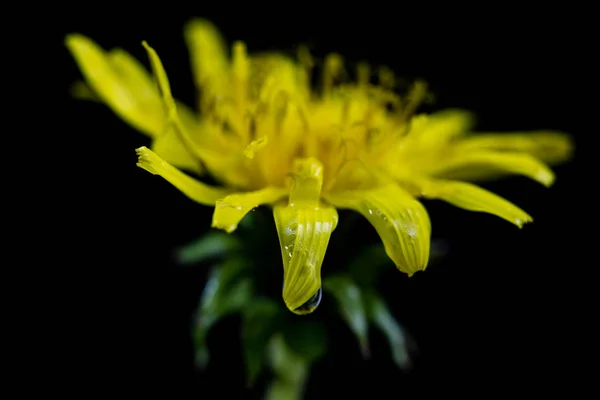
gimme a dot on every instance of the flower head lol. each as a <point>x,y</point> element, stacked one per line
<point>270,139</point>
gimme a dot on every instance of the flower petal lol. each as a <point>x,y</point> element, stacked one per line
<point>400,220</point>
<point>192,188</point>
<point>437,129</point>
<point>473,198</point>
<point>175,128</point>
<point>484,164</point>
<point>304,234</point>
<point>208,52</point>
<point>549,147</point>
<point>304,227</point>
<point>119,92</point>
<point>230,210</point>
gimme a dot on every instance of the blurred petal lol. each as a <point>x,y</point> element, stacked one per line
<point>208,52</point>
<point>546,146</point>
<point>493,163</point>
<point>400,220</point>
<point>134,74</point>
<point>118,91</point>
<point>191,187</point>
<point>473,198</point>
<point>230,210</point>
<point>437,129</point>
<point>80,90</point>
<point>350,302</point>
<point>304,227</point>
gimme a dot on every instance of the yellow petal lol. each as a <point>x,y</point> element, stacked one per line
<point>172,149</point>
<point>230,210</point>
<point>208,52</point>
<point>304,227</point>
<point>549,147</point>
<point>192,188</point>
<point>134,74</point>
<point>304,234</point>
<point>473,198</point>
<point>437,129</point>
<point>178,136</point>
<point>80,90</point>
<point>400,220</point>
<point>482,164</point>
<point>143,113</point>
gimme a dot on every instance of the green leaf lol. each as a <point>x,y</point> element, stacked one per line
<point>349,298</point>
<point>306,338</point>
<point>226,291</point>
<point>382,318</point>
<point>289,368</point>
<point>260,320</point>
<point>280,390</point>
<point>210,246</point>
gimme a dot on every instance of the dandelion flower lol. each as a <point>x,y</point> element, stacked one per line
<point>270,139</point>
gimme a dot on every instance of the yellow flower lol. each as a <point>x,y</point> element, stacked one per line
<point>271,140</point>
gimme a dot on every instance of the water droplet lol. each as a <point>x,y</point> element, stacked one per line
<point>311,304</point>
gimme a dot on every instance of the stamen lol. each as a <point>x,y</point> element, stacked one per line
<point>240,71</point>
<point>363,72</point>
<point>387,79</point>
<point>415,98</point>
<point>308,63</point>
<point>254,146</point>
<point>332,71</point>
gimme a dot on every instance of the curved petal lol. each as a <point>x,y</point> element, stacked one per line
<point>304,234</point>
<point>400,220</point>
<point>304,227</point>
<point>473,198</point>
<point>177,135</point>
<point>192,188</point>
<point>230,210</point>
<point>104,73</point>
<point>484,164</point>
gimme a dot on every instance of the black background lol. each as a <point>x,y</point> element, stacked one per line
<point>506,311</point>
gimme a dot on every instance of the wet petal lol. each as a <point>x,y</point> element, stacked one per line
<point>473,198</point>
<point>400,220</point>
<point>304,234</point>
<point>120,92</point>
<point>230,210</point>
<point>304,227</point>
<point>191,187</point>
<point>482,164</point>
